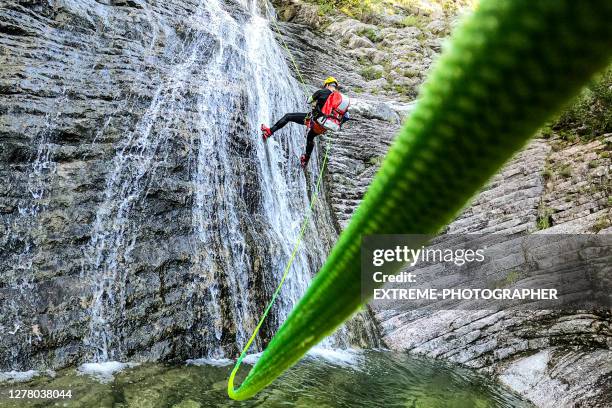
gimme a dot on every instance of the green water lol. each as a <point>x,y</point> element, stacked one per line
<point>369,379</point>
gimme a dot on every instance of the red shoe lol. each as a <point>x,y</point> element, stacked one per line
<point>304,160</point>
<point>265,132</point>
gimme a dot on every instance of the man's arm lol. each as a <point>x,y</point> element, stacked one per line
<point>314,97</point>
<point>345,118</point>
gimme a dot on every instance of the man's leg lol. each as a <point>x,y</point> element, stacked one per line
<point>309,147</point>
<point>297,117</point>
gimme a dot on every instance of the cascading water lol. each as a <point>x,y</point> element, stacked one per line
<point>150,221</point>
<point>248,76</point>
<point>249,197</point>
<point>40,172</point>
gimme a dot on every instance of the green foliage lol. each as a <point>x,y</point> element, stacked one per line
<point>590,114</point>
<point>371,34</point>
<point>544,219</point>
<point>370,73</point>
<point>363,60</point>
<point>565,171</point>
<point>547,173</point>
<point>376,160</point>
<point>353,8</point>
<point>326,8</point>
<point>511,278</point>
<point>406,91</point>
<point>414,20</point>
<point>546,132</point>
<point>367,9</point>
<point>602,222</point>
<point>410,73</point>
<point>568,136</point>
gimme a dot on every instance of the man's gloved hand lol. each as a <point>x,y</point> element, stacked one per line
<point>345,118</point>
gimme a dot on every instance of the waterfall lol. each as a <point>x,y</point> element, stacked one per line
<point>20,305</point>
<point>227,75</point>
<point>143,217</point>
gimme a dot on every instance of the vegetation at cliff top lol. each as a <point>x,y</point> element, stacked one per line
<point>362,9</point>
<point>589,115</point>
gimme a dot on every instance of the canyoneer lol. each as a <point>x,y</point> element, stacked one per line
<point>329,112</point>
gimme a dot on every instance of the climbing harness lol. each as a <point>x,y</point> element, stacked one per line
<point>313,199</point>
<point>314,125</point>
<point>507,69</point>
<point>331,115</point>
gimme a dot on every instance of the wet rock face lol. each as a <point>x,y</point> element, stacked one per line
<point>142,218</point>
<point>78,79</point>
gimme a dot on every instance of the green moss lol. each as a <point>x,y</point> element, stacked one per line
<point>593,164</point>
<point>376,160</point>
<point>363,60</point>
<point>565,171</point>
<point>544,219</point>
<point>353,8</point>
<point>547,173</point>
<point>422,37</point>
<point>511,278</point>
<point>602,223</point>
<point>369,73</point>
<point>415,21</point>
<point>326,8</point>
<point>371,34</point>
<point>410,73</point>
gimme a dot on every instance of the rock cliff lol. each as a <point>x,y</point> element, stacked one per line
<point>553,358</point>
<point>142,217</point>
<point>135,186</point>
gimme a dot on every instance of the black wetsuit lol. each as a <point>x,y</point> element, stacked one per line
<point>320,97</point>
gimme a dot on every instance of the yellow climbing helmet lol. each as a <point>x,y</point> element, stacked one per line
<point>330,80</point>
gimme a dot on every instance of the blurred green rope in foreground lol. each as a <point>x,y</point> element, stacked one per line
<point>507,69</point>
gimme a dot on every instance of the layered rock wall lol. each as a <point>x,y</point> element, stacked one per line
<point>554,358</point>
<point>142,217</point>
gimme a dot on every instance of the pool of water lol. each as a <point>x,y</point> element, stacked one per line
<point>324,379</point>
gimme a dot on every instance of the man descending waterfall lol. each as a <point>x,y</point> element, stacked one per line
<point>329,112</point>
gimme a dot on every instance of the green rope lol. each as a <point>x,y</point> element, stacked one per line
<point>313,199</point>
<point>305,222</point>
<point>295,66</point>
<point>509,67</point>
